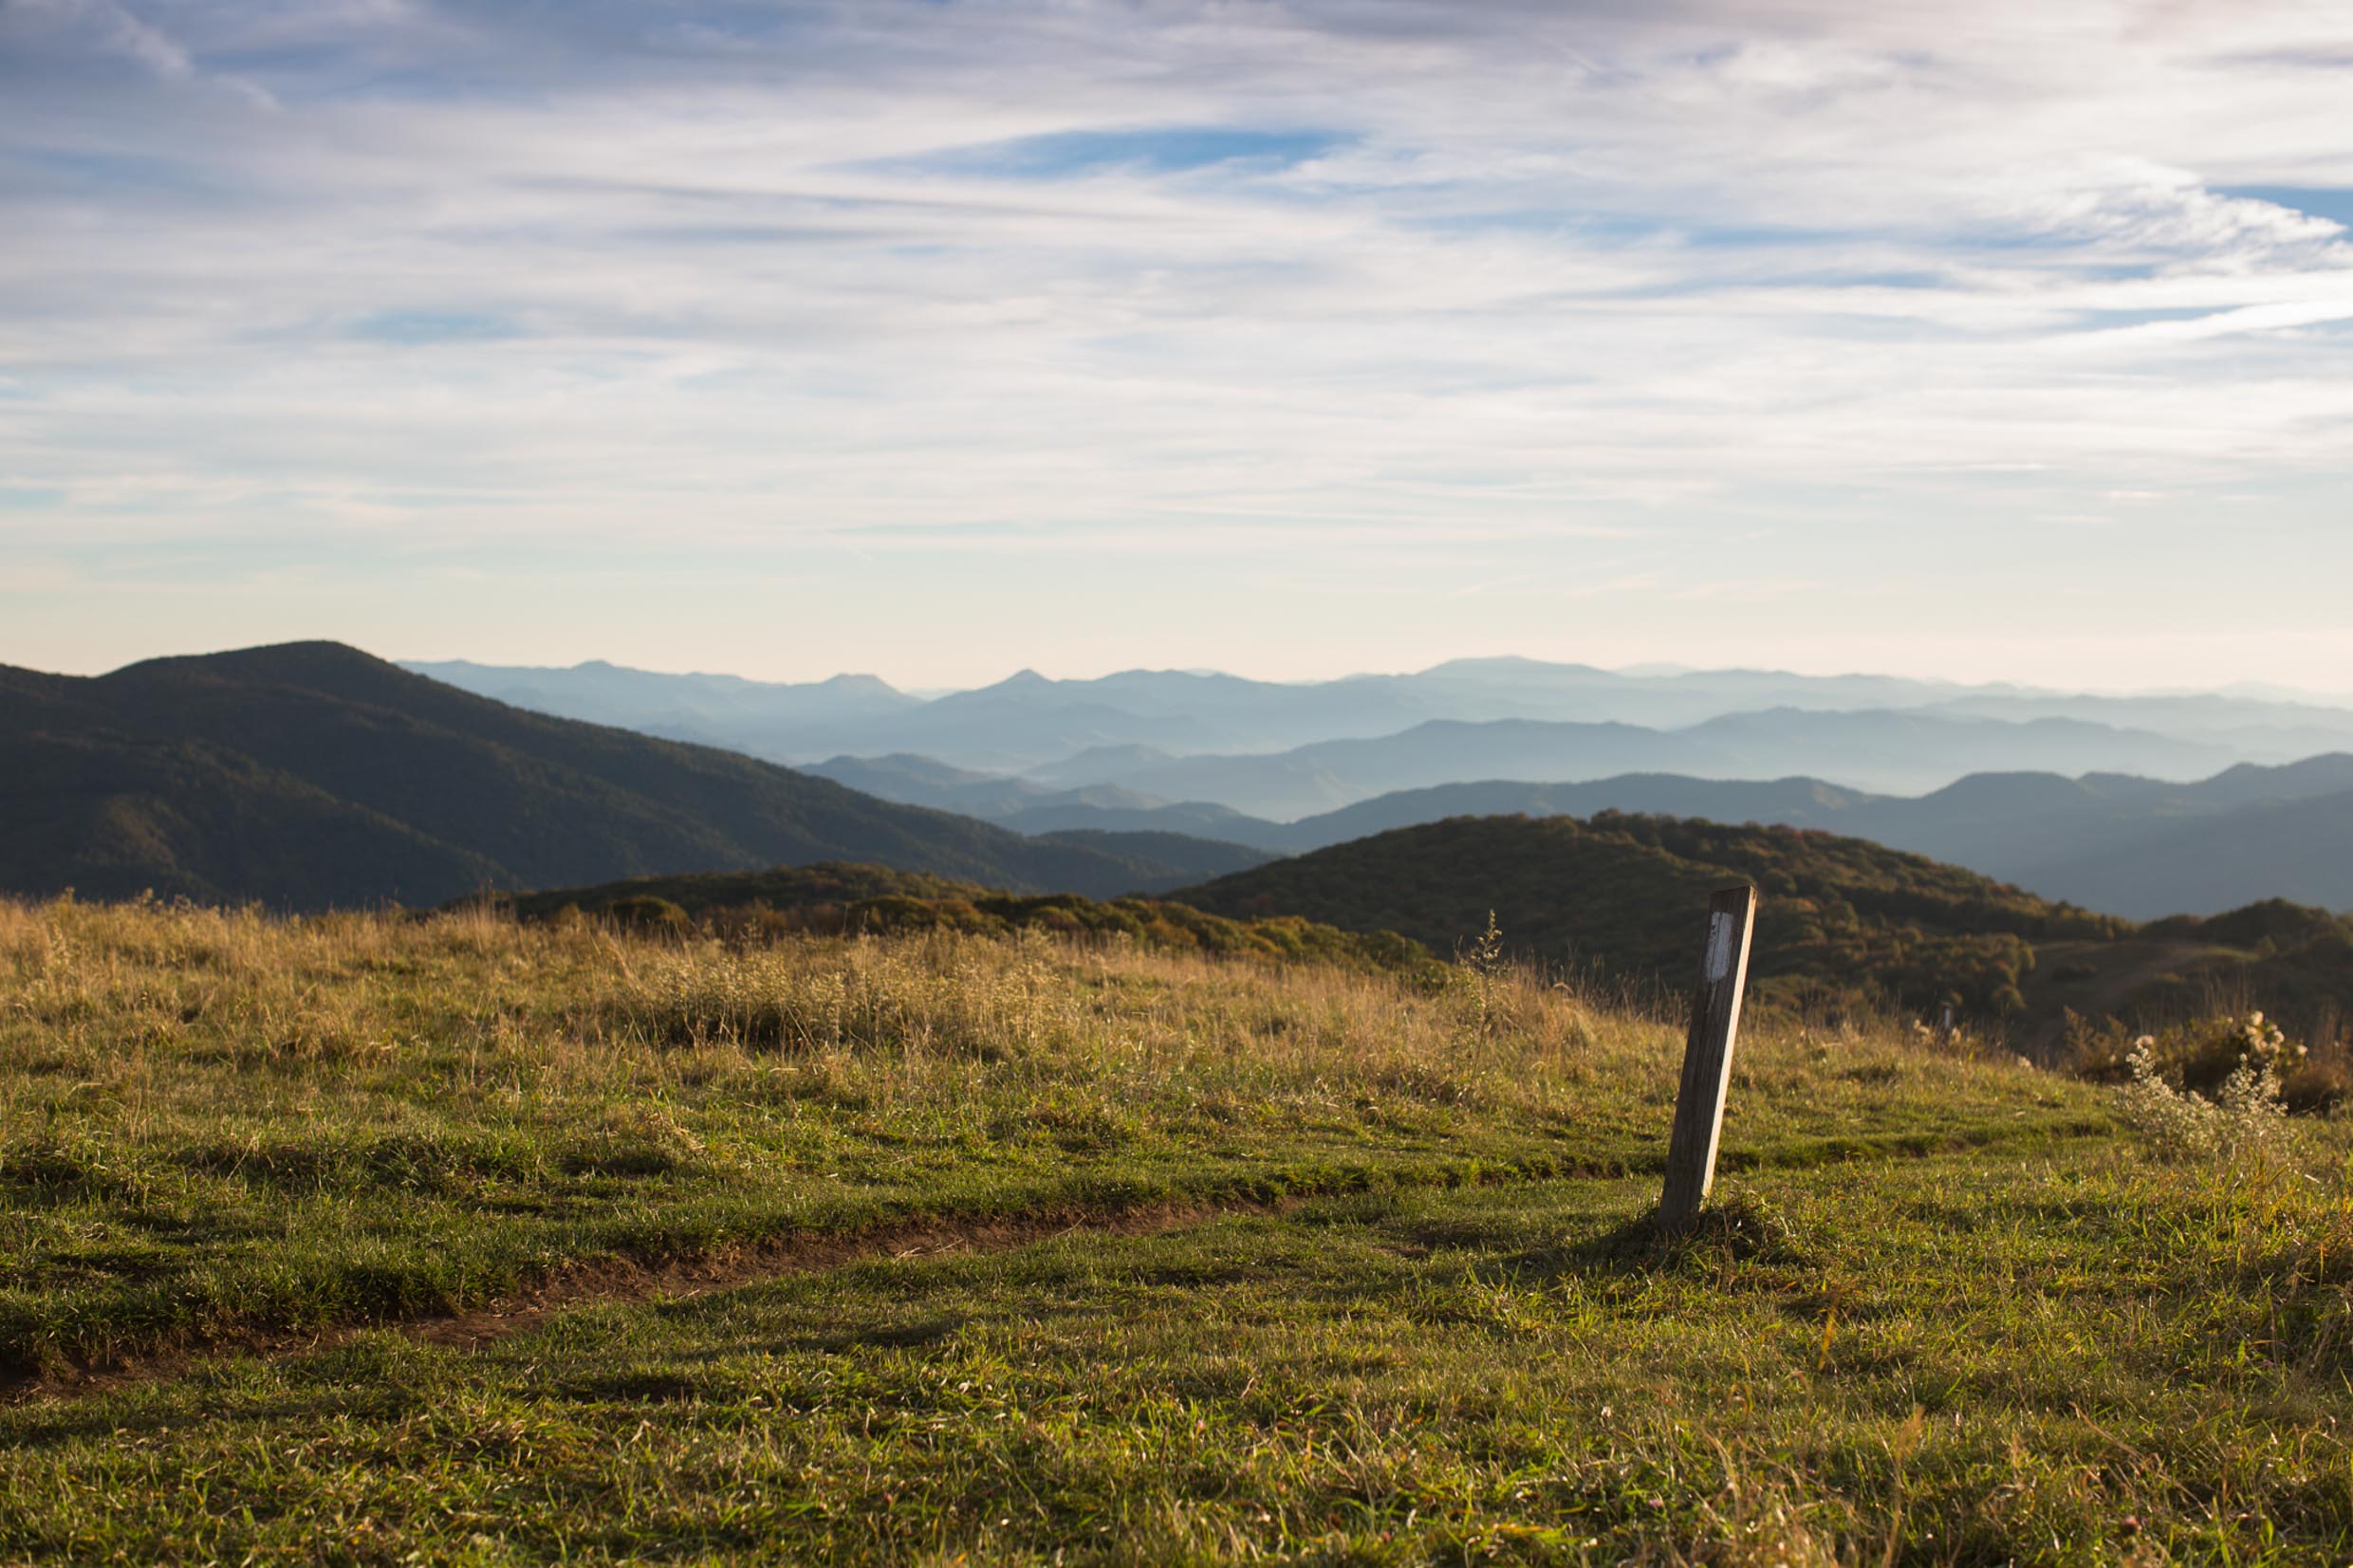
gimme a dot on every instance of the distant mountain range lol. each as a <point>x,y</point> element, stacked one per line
<point>757,717</point>
<point>1128,728</point>
<point>311,775</point>
<point>2127,844</point>
<point>1871,748</point>
<point>1028,806</point>
<point>2095,798</point>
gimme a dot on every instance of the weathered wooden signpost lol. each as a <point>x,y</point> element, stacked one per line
<point>1707,1057</point>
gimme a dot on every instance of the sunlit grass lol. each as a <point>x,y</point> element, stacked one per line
<point>1946,1309</point>
<point>220,1123</point>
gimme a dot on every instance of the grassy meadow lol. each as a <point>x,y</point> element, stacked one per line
<point>373,1238</point>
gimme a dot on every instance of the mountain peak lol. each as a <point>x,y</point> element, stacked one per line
<point>294,662</point>
<point>847,682</point>
<point>311,775</point>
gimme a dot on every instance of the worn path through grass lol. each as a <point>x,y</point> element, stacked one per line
<point>2070,1355</point>
<point>223,1129</point>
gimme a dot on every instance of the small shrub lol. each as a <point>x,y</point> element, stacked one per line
<point>1483,965</point>
<point>646,914</point>
<point>2245,1118</point>
<point>2198,1057</point>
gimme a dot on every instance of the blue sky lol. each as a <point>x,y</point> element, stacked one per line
<point>1291,336</point>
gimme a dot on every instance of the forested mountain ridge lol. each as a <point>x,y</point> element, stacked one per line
<point>1845,923</point>
<point>311,774</point>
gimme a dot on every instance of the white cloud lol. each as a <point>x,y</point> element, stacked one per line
<point>1612,278</point>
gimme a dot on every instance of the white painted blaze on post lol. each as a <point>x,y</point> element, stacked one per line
<point>1719,961</point>
<point>1707,1057</point>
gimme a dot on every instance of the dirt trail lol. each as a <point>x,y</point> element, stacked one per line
<point>598,1280</point>
<point>622,1280</point>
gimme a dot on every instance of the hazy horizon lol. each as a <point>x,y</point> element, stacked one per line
<point>2253,690</point>
<point>976,680</point>
<point>2319,695</point>
<point>2012,341</point>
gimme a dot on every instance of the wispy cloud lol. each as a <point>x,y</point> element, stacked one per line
<point>1470,295</point>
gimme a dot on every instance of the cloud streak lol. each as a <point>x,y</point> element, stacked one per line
<point>1332,288</point>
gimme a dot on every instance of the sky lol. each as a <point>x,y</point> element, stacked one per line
<point>2007,340</point>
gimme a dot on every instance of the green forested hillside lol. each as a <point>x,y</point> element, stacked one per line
<point>1844,921</point>
<point>312,774</point>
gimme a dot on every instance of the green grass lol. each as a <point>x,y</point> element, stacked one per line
<point>217,1126</point>
<point>2060,1357</point>
<point>1945,1310</point>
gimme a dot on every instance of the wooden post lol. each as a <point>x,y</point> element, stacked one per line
<point>1707,1057</point>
